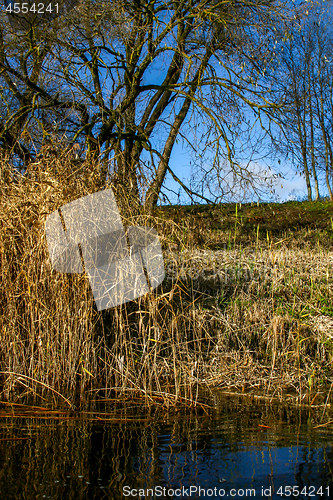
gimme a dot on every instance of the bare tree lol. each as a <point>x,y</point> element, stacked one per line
<point>323,98</point>
<point>293,81</point>
<point>126,79</point>
<point>305,78</point>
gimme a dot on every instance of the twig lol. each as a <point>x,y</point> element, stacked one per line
<point>41,383</point>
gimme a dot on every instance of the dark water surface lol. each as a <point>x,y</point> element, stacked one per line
<point>242,449</point>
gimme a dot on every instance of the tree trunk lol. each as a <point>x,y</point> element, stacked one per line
<point>302,137</point>
<point>313,158</point>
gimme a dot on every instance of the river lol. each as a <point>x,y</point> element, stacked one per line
<point>242,447</point>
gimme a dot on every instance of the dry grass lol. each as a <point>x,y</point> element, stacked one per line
<point>267,314</point>
<point>256,317</point>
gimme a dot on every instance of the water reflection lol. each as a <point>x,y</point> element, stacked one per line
<point>242,445</point>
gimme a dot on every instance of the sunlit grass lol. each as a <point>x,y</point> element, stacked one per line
<point>246,304</point>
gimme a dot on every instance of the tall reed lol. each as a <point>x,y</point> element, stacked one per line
<point>235,318</point>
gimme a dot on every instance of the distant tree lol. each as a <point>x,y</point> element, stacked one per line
<point>127,79</point>
<point>305,79</point>
<point>294,83</point>
<point>322,80</point>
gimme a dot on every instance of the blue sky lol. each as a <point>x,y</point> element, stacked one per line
<point>290,186</point>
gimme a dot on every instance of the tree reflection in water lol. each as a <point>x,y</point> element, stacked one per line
<point>241,444</point>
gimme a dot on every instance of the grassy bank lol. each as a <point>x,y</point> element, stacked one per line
<point>246,304</point>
